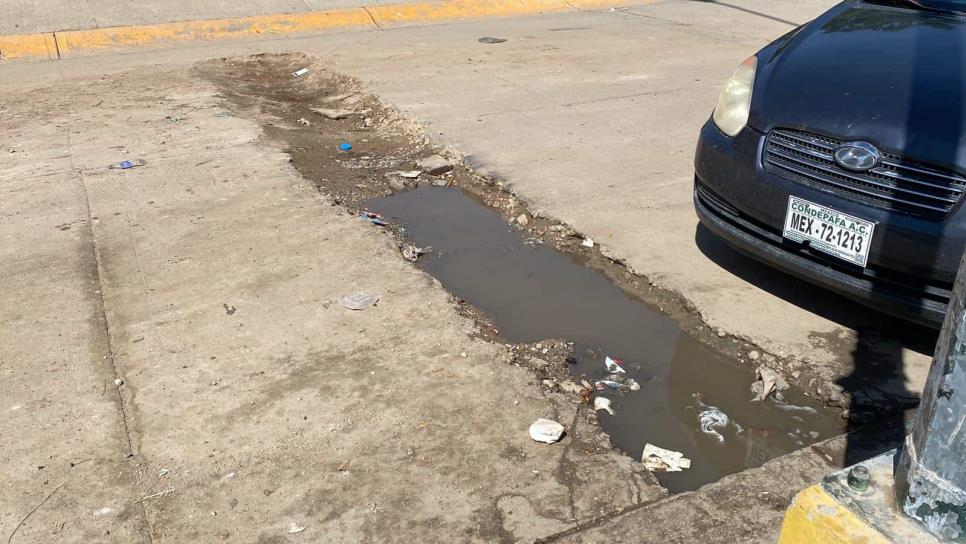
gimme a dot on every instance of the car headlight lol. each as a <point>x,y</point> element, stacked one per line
<point>734,102</point>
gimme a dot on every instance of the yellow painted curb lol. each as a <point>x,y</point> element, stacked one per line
<point>816,518</point>
<point>61,44</point>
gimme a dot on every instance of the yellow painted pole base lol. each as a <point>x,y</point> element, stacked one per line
<point>815,517</point>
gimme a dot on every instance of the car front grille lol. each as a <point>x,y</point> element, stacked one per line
<point>895,184</point>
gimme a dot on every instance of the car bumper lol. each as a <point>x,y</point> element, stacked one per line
<point>731,166</point>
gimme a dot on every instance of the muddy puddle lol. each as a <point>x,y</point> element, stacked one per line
<point>532,292</point>
<point>518,290</point>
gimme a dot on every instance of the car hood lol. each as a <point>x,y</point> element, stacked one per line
<point>888,75</point>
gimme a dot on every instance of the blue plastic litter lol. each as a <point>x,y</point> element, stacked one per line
<point>345,146</point>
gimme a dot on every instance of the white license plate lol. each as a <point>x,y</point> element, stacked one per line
<point>829,231</point>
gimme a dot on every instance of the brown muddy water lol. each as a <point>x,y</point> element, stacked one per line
<point>532,292</point>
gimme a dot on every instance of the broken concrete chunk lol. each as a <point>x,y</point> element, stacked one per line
<point>333,113</point>
<point>546,431</point>
<point>767,383</point>
<point>395,183</point>
<point>434,164</point>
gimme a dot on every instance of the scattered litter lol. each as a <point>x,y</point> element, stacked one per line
<point>545,430</point>
<point>304,122</point>
<point>791,408</point>
<point>344,466</point>
<point>618,382</point>
<point>359,301</point>
<point>409,174</point>
<point>490,39</point>
<point>118,382</point>
<point>300,72</point>
<point>295,528</point>
<point>127,165</point>
<point>174,118</point>
<point>711,421</point>
<point>345,146</point>
<point>224,114</point>
<point>163,472</point>
<point>434,164</point>
<point>768,381</point>
<point>333,113</point>
<point>587,242</point>
<point>373,217</point>
<point>614,365</point>
<point>412,253</point>
<point>603,403</point>
<point>229,310</point>
<point>658,459</point>
<point>103,511</point>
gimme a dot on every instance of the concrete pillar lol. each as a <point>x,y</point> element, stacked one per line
<point>931,475</point>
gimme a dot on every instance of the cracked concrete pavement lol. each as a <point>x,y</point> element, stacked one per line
<point>248,401</point>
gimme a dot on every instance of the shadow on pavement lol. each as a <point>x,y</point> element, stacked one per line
<point>876,384</point>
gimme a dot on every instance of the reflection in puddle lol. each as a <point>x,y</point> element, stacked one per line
<point>533,293</point>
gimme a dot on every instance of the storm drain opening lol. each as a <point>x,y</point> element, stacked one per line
<point>637,359</point>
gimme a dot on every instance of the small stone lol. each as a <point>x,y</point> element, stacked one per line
<point>571,387</point>
<point>587,242</point>
<point>304,122</point>
<point>523,220</point>
<point>434,164</point>
<point>796,374</point>
<point>295,528</point>
<point>395,183</point>
<point>721,334</point>
<point>753,355</point>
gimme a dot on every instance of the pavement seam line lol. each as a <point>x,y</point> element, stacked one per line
<point>107,39</point>
<point>104,324</point>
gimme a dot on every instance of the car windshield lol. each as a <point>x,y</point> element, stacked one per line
<point>958,6</point>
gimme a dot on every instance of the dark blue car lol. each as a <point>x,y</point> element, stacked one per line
<point>838,154</point>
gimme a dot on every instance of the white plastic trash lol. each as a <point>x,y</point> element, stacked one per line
<point>359,301</point>
<point>614,365</point>
<point>603,403</point>
<point>546,431</point>
<point>658,459</point>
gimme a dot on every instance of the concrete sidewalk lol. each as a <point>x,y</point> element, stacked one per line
<point>175,366</point>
